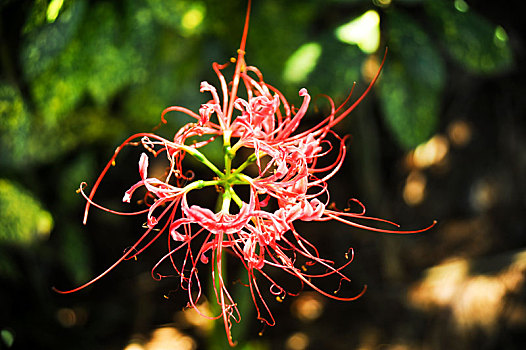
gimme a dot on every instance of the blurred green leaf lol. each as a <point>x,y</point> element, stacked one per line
<point>142,34</point>
<point>27,139</point>
<point>14,125</point>
<point>352,2</point>
<point>80,169</point>
<point>8,268</point>
<point>115,60</point>
<point>271,54</point>
<point>411,82</point>
<point>410,108</point>
<point>184,15</point>
<point>58,89</point>
<point>107,55</point>
<point>472,41</point>
<point>409,2</point>
<point>172,62</point>
<point>43,41</point>
<point>8,337</point>
<point>74,253</point>
<point>408,43</point>
<point>337,69</point>
<point>167,12</point>
<point>22,218</point>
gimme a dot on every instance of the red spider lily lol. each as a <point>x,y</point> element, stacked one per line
<point>289,186</point>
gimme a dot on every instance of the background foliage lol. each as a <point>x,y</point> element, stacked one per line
<point>79,76</point>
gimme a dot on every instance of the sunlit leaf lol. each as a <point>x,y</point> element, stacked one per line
<point>53,10</point>
<point>363,31</point>
<point>301,63</point>
<point>472,41</point>
<point>22,218</point>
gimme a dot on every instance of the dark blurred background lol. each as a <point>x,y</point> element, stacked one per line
<point>441,137</point>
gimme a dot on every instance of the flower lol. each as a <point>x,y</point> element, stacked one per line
<point>289,185</point>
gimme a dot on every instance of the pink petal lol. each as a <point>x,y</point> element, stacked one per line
<point>143,166</point>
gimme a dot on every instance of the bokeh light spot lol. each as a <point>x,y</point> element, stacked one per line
<point>66,317</point>
<point>459,133</point>
<point>431,153</point>
<point>53,10</point>
<point>190,317</point>
<point>382,3</point>
<point>193,18</point>
<point>501,37</point>
<point>302,62</point>
<point>461,6</point>
<point>363,31</point>
<point>164,338</point>
<point>308,307</point>
<point>297,341</point>
<point>8,337</point>
<point>414,189</point>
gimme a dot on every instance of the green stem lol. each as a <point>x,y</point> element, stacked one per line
<point>236,198</point>
<point>217,338</point>
<point>244,179</point>
<point>251,159</point>
<point>227,150</point>
<point>227,197</point>
<point>196,185</point>
<point>201,157</point>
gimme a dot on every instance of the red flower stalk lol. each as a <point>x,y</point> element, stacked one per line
<point>290,186</point>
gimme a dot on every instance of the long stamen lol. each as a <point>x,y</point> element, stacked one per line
<point>240,63</point>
